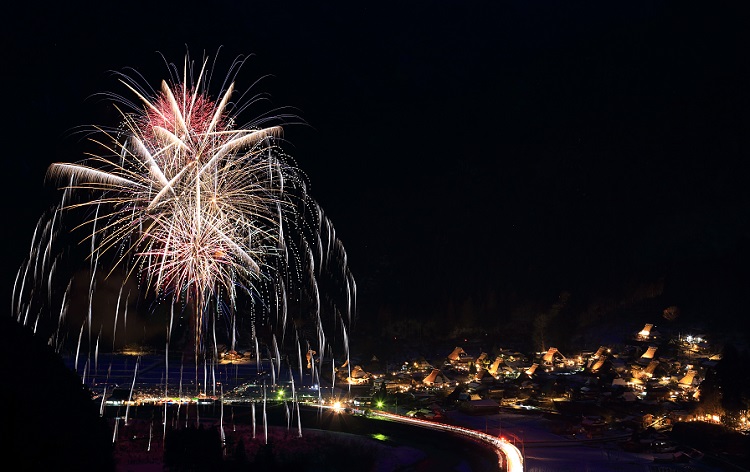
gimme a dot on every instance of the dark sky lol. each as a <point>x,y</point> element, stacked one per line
<point>461,148</point>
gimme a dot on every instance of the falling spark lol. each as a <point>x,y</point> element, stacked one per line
<point>221,420</point>
<point>104,397</point>
<point>115,429</point>
<point>195,210</point>
<point>132,387</point>
<point>252,410</point>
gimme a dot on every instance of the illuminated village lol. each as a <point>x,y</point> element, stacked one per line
<point>632,393</point>
<point>648,373</point>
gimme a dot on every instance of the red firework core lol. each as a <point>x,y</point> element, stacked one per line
<point>196,109</point>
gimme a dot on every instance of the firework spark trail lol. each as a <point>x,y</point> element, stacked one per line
<point>346,350</point>
<point>333,373</point>
<point>78,348</point>
<point>198,212</point>
<point>265,418</point>
<point>257,353</point>
<point>101,404</point>
<point>117,313</point>
<point>252,412</point>
<point>299,358</point>
<point>96,352</point>
<point>164,424</point>
<point>287,415</point>
<point>115,429</point>
<point>299,421</point>
<point>132,387</point>
<point>221,418</point>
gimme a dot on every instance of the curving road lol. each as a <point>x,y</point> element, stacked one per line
<point>509,452</point>
<point>509,456</point>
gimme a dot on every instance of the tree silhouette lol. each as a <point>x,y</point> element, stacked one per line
<point>50,421</point>
<point>193,449</point>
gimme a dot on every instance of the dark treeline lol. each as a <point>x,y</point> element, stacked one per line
<point>49,421</point>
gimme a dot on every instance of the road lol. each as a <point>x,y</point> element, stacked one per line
<point>509,456</point>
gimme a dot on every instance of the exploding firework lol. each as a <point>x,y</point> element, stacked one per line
<point>189,212</point>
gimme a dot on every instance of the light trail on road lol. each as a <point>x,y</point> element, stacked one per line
<point>511,454</point>
<point>513,457</point>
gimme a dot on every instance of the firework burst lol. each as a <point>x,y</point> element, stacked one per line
<point>200,212</point>
<point>195,203</point>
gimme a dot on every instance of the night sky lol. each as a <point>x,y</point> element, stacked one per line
<point>495,154</point>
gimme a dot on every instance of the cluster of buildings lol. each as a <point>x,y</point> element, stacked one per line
<point>647,381</point>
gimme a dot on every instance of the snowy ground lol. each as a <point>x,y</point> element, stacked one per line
<point>135,453</point>
<point>545,451</point>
